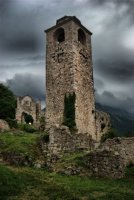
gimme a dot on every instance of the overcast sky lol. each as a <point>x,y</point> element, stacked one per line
<point>22,45</point>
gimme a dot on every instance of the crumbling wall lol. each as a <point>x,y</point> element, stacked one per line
<point>111,158</point>
<point>105,164</point>
<point>61,141</point>
<point>27,105</point>
<point>122,146</point>
<point>103,123</point>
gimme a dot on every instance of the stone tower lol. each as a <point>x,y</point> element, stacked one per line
<point>69,71</point>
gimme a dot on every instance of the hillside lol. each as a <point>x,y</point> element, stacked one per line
<point>121,120</point>
<point>26,181</point>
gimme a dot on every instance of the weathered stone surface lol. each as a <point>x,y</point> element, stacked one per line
<point>17,159</point>
<point>69,70</point>
<point>61,141</point>
<point>105,164</point>
<point>4,125</point>
<point>122,146</point>
<point>111,158</point>
<point>103,123</point>
<point>27,105</point>
<point>71,170</point>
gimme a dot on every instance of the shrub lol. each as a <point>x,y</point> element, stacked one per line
<point>42,123</point>
<point>69,111</point>
<point>27,128</point>
<point>12,123</point>
<point>45,137</point>
<point>109,135</point>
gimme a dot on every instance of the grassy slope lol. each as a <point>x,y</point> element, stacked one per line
<point>18,143</point>
<point>32,184</point>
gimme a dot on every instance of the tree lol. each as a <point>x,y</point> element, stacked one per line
<point>7,103</point>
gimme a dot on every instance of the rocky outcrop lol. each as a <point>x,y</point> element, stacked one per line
<point>122,146</point>
<point>4,126</point>
<point>17,159</point>
<point>111,158</point>
<point>105,164</point>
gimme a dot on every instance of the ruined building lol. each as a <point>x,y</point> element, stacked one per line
<point>27,105</point>
<point>69,74</point>
<point>103,123</point>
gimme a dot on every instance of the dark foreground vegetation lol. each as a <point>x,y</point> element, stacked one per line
<point>30,183</point>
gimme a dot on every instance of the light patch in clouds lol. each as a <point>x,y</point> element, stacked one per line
<point>128,39</point>
<point>27,84</point>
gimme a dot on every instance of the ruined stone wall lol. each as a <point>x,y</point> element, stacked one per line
<point>61,141</point>
<point>122,146</point>
<point>111,158</point>
<point>69,69</point>
<point>105,164</point>
<point>103,123</point>
<point>27,105</point>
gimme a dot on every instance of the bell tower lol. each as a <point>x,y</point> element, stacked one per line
<point>69,72</point>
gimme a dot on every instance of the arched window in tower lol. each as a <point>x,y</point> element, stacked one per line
<point>81,36</point>
<point>60,35</point>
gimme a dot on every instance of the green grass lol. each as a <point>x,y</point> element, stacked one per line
<point>33,184</point>
<point>23,183</point>
<point>24,143</point>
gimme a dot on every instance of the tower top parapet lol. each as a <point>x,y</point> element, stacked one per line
<point>66,19</point>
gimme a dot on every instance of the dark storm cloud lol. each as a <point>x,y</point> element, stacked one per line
<point>27,84</point>
<point>121,71</point>
<point>99,84</point>
<point>109,99</point>
<point>4,6</point>
<point>37,57</point>
<point>23,44</point>
<point>129,3</point>
<point>22,41</point>
<point>18,29</point>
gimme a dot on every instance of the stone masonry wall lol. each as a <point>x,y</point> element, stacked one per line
<point>68,70</point>
<point>83,83</point>
<point>27,105</point>
<point>122,146</point>
<point>105,164</point>
<point>61,141</point>
<point>103,123</point>
<point>111,158</point>
<point>59,77</point>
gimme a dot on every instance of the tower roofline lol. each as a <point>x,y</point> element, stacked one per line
<point>66,19</point>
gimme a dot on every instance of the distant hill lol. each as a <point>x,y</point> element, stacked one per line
<point>121,120</point>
